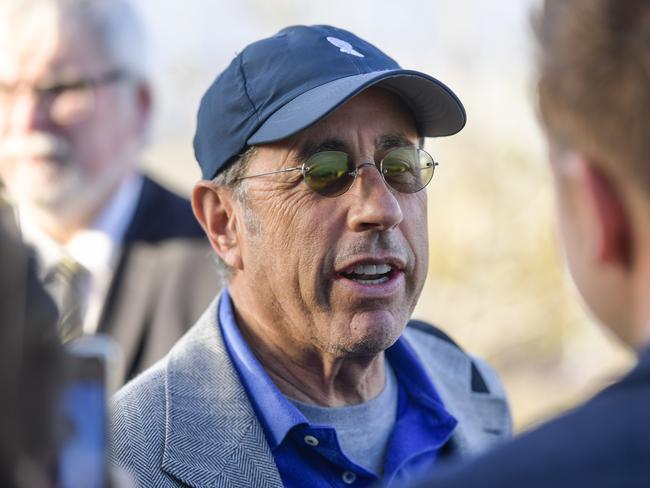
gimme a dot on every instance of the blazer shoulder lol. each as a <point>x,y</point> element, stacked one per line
<point>482,374</point>
<point>137,424</point>
<point>431,329</point>
<point>145,389</point>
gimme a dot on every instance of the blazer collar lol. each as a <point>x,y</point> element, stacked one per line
<point>483,417</point>
<point>212,436</point>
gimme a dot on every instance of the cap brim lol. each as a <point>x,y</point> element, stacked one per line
<point>436,109</point>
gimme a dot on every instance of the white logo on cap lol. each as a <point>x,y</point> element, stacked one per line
<point>344,46</point>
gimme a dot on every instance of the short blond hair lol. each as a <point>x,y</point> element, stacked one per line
<point>594,80</point>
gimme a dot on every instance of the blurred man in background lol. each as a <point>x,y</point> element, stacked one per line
<point>594,96</point>
<point>115,249</point>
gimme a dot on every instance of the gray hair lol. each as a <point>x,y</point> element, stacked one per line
<point>230,178</point>
<point>114,24</point>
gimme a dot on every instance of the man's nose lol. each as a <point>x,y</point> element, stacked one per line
<point>376,206</point>
<point>28,111</point>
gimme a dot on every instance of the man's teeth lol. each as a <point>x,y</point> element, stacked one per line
<point>370,274</point>
<point>371,269</point>
<point>368,281</point>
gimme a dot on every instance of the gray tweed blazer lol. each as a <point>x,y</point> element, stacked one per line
<point>187,421</point>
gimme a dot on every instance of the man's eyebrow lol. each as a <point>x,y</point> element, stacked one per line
<point>382,143</point>
<point>390,141</point>
<point>311,148</point>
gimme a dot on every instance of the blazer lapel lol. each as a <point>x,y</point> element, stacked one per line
<point>135,281</point>
<point>213,437</point>
<point>130,297</point>
<point>482,418</point>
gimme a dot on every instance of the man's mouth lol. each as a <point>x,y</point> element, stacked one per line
<point>369,274</point>
<point>39,146</point>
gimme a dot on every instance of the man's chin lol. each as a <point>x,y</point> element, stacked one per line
<point>56,207</point>
<point>371,346</point>
<point>48,199</point>
<point>53,192</point>
<point>374,332</point>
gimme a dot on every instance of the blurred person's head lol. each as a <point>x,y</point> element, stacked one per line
<point>74,99</point>
<point>594,96</point>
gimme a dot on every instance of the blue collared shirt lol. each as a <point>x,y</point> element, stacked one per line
<point>309,455</point>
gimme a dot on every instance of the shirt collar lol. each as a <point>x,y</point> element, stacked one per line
<point>416,382</point>
<point>278,416</point>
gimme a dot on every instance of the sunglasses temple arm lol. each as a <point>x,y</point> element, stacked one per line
<point>286,170</point>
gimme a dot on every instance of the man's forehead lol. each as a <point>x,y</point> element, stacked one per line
<point>53,52</point>
<point>24,55</point>
<point>310,145</point>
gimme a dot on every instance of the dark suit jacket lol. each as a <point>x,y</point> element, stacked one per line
<point>164,279</point>
<point>605,443</point>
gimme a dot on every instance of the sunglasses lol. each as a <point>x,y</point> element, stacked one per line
<point>332,173</point>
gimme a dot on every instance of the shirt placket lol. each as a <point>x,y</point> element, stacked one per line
<point>323,441</point>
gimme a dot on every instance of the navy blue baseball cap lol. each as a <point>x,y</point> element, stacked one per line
<point>281,85</point>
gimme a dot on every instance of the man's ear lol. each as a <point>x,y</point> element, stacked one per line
<point>214,209</point>
<point>612,228</point>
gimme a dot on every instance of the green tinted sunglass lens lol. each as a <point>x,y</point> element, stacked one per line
<point>328,173</point>
<point>407,169</point>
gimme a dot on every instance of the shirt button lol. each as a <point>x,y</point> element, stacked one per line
<point>310,440</point>
<point>349,477</point>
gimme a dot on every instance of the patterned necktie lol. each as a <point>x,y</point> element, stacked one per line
<point>66,282</point>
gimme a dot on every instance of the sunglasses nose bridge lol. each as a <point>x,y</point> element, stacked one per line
<point>357,170</point>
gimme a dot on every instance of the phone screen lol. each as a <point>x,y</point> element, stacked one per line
<point>82,458</point>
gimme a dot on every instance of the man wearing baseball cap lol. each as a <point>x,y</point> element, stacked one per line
<point>306,369</point>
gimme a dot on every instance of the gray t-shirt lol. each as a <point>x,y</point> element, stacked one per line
<point>362,430</point>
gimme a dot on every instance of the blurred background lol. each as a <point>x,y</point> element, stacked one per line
<point>496,282</point>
